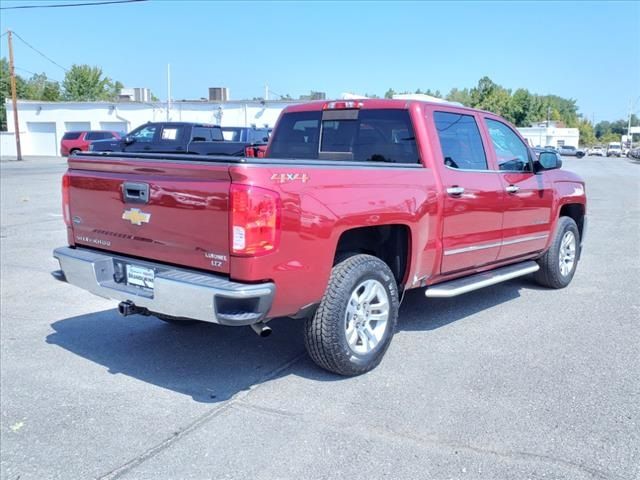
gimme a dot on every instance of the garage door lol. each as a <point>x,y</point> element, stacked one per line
<point>76,126</point>
<point>42,139</point>
<point>114,126</point>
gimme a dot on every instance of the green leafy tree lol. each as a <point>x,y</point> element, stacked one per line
<point>520,107</point>
<point>86,83</point>
<point>609,137</point>
<point>461,96</point>
<point>490,96</point>
<point>602,128</point>
<point>389,93</point>
<point>587,134</point>
<point>39,87</point>
<point>5,90</point>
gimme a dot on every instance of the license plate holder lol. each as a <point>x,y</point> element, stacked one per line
<point>140,276</point>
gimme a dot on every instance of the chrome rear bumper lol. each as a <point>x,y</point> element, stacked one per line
<point>176,292</point>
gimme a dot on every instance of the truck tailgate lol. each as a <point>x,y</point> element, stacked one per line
<point>169,211</point>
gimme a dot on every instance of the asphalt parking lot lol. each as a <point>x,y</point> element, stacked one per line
<point>509,382</point>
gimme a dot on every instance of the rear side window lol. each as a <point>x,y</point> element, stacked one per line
<point>260,135</point>
<point>207,134</point>
<point>171,133</point>
<point>231,134</point>
<point>71,136</point>
<point>98,135</point>
<point>377,135</point>
<point>460,141</point>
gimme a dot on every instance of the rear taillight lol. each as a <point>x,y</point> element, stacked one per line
<point>66,213</point>
<point>254,219</point>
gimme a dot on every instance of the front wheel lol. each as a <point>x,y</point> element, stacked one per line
<point>558,264</point>
<point>355,322</point>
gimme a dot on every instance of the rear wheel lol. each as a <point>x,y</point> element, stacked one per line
<point>558,264</point>
<point>74,151</point>
<point>355,322</point>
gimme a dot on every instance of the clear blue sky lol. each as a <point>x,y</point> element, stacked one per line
<point>589,51</point>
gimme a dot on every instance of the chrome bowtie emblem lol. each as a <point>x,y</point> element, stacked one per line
<point>136,217</point>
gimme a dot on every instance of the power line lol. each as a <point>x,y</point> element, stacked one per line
<point>39,52</point>
<point>62,5</point>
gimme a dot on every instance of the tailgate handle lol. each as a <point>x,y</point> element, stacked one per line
<point>135,192</point>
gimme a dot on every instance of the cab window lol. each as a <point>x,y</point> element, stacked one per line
<point>145,134</point>
<point>460,141</point>
<point>511,152</point>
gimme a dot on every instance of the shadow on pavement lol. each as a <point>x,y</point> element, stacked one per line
<point>212,363</point>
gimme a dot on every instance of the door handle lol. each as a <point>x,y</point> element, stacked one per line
<point>455,191</point>
<point>512,189</point>
<point>135,192</point>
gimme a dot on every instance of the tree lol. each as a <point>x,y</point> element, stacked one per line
<point>587,135</point>
<point>5,90</point>
<point>490,96</point>
<point>389,93</point>
<point>602,128</point>
<point>520,107</point>
<point>39,87</point>
<point>85,83</point>
<point>461,96</point>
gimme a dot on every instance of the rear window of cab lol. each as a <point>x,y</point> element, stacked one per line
<point>369,135</point>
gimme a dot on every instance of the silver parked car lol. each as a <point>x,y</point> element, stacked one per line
<point>570,151</point>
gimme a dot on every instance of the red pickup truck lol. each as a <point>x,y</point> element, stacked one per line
<point>354,203</point>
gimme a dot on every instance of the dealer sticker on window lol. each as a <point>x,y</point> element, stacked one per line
<point>140,276</point>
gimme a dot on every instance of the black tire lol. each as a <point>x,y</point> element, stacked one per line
<point>181,322</point>
<point>74,151</point>
<point>550,274</point>
<point>325,333</point>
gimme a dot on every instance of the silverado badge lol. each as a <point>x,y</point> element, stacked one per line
<point>136,217</point>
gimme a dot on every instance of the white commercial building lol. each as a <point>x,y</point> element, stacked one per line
<point>42,124</point>
<point>551,135</point>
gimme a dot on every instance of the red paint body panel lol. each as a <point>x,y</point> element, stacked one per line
<point>188,205</point>
<point>319,202</point>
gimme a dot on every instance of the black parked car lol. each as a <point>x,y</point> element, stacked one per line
<point>174,137</point>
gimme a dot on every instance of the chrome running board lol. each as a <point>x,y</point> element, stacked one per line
<point>459,286</point>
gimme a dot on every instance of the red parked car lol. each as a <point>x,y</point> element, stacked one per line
<point>353,203</point>
<point>79,141</point>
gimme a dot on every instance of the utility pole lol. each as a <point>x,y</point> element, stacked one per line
<point>629,136</point>
<point>14,100</point>
<point>548,115</point>
<point>168,90</point>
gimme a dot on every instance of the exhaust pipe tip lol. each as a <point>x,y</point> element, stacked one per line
<point>261,329</point>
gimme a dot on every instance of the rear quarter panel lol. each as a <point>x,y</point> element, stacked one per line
<point>319,203</point>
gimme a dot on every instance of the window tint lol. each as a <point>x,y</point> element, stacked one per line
<point>511,152</point>
<point>145,134</point>
<point>97,135</point>
<point>171,133</point>
<point>71,136</point>
<point>259,135</point>
<point>231,134</point>
<point>206,134</point>
<point>296,136</point>
<point>460,141</point>
<point>383,135</point>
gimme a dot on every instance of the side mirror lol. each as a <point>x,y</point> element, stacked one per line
<point>128,140</point>
<point>548,161</point>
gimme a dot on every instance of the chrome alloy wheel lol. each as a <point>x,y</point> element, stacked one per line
<point>567,253</point>
<point>366,316</point>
